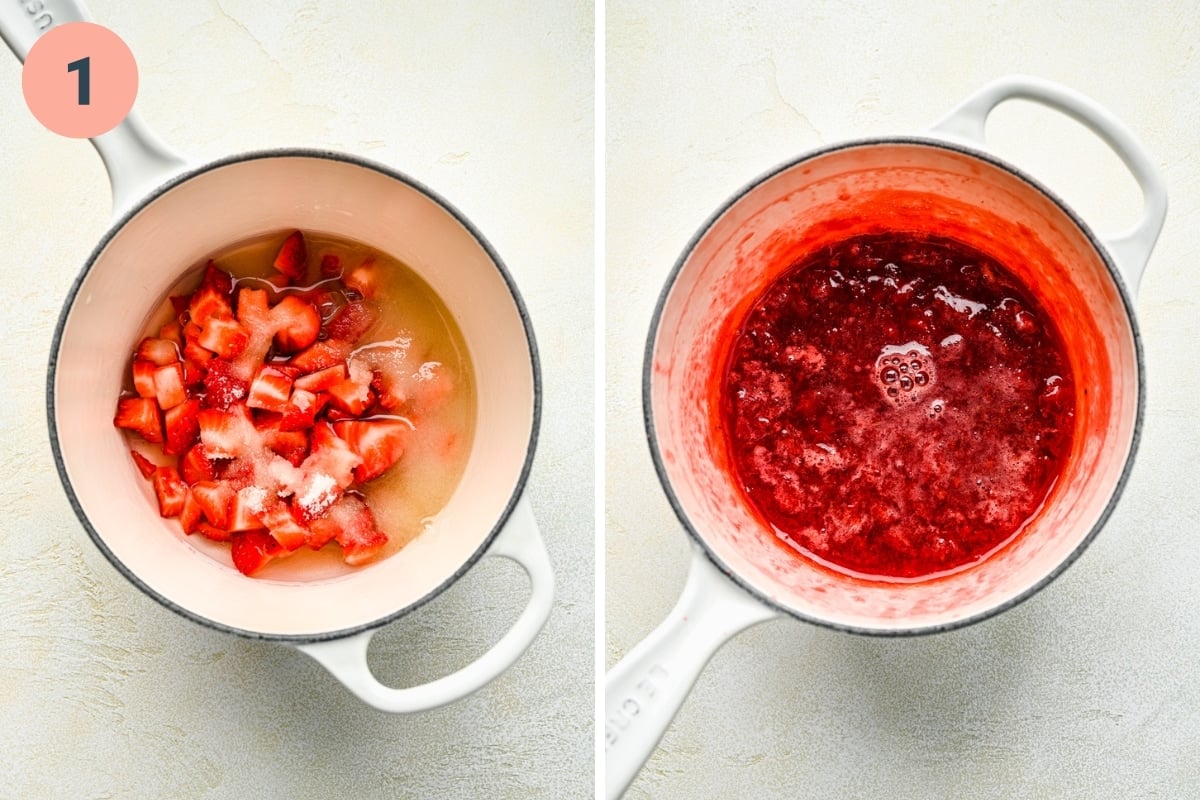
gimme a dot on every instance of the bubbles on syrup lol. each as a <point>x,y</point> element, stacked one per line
<point>905,372</point>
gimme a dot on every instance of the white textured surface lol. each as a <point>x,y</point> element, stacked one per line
<point>1088,690</point>
<point>105,694</point>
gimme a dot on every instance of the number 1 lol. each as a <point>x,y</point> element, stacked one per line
<point>84,68</point>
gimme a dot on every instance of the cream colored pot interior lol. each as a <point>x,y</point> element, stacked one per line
<point>900,186</point>
<point>132,274</point>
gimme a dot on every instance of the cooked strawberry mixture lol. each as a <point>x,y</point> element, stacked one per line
<point>276,406</point>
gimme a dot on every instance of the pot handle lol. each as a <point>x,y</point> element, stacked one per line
<point>643,692</point>
<point>346,658</point>
<point>1131,249</point>
<point>136,161</point>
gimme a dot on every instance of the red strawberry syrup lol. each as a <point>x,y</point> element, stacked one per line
<point>897,405</point>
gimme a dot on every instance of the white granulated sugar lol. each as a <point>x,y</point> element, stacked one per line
<point>426,371</point>
<point>253,497</point>
<point>319,495</point>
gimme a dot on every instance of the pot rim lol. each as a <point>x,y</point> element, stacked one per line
<point>329,155</point>
<point>920,141</point>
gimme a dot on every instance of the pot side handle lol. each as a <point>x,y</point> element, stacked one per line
<point>136,160</point>
<point>347,658</point>
<point>1131,249</point>
<point>643,692</point>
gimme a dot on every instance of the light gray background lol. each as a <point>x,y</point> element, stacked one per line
<point>105,694</point>
<point>1090,689</point>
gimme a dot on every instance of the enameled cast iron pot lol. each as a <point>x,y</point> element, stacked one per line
<point>169,215</point>
<point>943,182</point>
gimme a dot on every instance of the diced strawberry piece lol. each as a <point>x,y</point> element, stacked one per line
<point>254,313</point>
<point>380,444</point>
<point>363,279</point>
<point>196,354</point>
<point>247,504</point>
<point>222,388</point>
<point>195,466</point>
<point>143,377</point>
<point>182,427</point>
<point>292,258</point>
<point>320,480</point>
<point>179,302</point>
<point>172,332</point>
<point>216,501</point>
<point>160,351</point>
<point>302,409</point>
<point>331,266</point>
<point>192,514</point>
<point>352,321</point>
<point>224,336</point>
<point>322,379</point>
<point>353,398</point>
<point>168,386</point>
<point>278,281</point>
<point>227,434</point>
<point>271,389</point>
<point>144,465</point>
<point>140,415</point>
<point>252,549</point>
<point>170,490</point>
<point>321,355</point>
<point>297,324</point>
<point>282,525</point>
<point>354,527</point>
<point>193,373</point>
<point>211,299</point>
<point>216,278</point>
<point>291,444</point>
<point>217,534</point>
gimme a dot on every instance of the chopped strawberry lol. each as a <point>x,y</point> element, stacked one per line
<point>168,385</point>
<point>380,444</point>
<point>322,379</point>
<point>254,313</point>
<point>195,466</point>
<point>140,415</point>
<point>213,532</point>
<point>324,474</point>
<point>160,351</point>
<point>172,332</point>
<point>292,258</point>
<point>331,266</point>
<point>144,465</point>
<point>222,388</point>
<point>363,279</point>
<point>247,504</point>
<point>271,389</point>
<point>193,352</point>
<point>282,525</point>
<point>353,398</point>
<point>143,377</point>
<point>352,321</point>
<point>192,514</point>
<point>211,298</point>
<point>216,501</point>
<point>170,490</point>
<point>291,444</point>
<point>182,427</point>
<point>224,336</point>
<point>302,409</point>
<point>179,302</point>
<point>227,434</point>
<point>297,324</point>
<point>193,374</point>
<point>321,355</point>
<point>252,549</point>
<point>352,524</point>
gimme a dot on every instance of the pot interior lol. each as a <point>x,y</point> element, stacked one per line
<point>130,275</point>
<point>898,185</point>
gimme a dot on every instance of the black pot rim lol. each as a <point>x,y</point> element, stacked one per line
<point>328,155</point>
<point>648,374</point>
